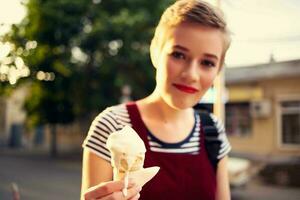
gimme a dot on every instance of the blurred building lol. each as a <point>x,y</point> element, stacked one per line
<point>2,119</point>
<point>263,110</point>
<point>12,118</point>
<point>13,132</point>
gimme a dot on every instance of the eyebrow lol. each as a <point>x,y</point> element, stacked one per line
<point>209,55</point>
<point>180,47</point>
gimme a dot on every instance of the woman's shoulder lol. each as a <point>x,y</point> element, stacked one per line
<point>111,119</point>
<point>116,115</point>
<point>115,109</point>
<point>211,122</point>
<point>218,123</point>
<point>215,137</point>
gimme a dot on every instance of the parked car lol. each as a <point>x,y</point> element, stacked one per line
<point>241,171</point>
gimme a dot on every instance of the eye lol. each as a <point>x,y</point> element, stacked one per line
<point>208,63</point>
<point>178,55</point>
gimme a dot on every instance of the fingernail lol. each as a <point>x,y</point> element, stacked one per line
<point>139,188</point>
<point>137,196</point>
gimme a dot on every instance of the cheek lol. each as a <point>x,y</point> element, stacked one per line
<point>207,79</point>
<point>172,69</point>
<point>165,70</point>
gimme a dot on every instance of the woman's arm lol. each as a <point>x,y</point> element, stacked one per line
<point>96,180</point>
<point>95,170</point>
<point>223,190</point>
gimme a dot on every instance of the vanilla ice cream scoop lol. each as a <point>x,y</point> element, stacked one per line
<point>127,157</point>
<point>127,150</point>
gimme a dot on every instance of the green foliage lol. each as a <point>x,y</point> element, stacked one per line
<point>93,49</point>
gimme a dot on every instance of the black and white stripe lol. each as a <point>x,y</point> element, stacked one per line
<point>225,145</point>
<point>116,117</point>
<point>190,146</point>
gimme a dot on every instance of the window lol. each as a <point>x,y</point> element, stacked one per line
<point>238,121</point>
<point>290,122</point>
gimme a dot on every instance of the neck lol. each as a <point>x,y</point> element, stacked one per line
<point>158,108</point>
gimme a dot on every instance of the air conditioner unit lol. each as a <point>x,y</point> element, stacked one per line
<point>260,109</point>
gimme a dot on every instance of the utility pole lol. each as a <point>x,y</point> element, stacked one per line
<point>219,104</point>
<point>219,83</point>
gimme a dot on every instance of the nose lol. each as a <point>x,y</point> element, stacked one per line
<point>191,72</point>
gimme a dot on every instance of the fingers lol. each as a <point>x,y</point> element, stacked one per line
<point>103,189</point>
<point>111,191</point>
<point>133,194</point>
<point>136,197</point>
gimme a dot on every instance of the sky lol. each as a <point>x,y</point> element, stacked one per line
<point>260,28</point>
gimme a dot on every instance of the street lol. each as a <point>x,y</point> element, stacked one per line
<point>255,190</point>
<point>42,178</point>
<point>39,177</point>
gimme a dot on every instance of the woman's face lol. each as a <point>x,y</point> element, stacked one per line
<point>188,63</point>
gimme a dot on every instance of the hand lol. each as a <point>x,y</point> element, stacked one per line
<point>112,191</point>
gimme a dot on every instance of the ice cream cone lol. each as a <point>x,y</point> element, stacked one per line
<point>127,156</point>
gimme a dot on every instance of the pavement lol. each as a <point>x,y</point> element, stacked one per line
<point>40,177</point>
<point>258,190</point>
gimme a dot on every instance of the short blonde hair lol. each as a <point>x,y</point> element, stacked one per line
<point>194,11</point>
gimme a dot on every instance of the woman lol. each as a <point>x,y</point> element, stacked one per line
<point>187,51</point>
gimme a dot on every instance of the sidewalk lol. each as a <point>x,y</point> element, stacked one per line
<point>257,190</point>
<point>38,176</point>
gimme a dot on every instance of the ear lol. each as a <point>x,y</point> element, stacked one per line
<point>154,52</point>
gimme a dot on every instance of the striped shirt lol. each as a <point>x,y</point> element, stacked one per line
<point>116,117</point>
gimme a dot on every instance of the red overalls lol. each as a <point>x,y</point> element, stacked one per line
<point>181,176</point>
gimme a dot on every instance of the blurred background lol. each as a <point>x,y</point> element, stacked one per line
<point>63,61</point>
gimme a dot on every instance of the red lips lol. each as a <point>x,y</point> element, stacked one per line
<point>185,88</point>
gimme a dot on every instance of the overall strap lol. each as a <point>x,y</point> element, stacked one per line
<point>212,144</point>
<point>137,122</point>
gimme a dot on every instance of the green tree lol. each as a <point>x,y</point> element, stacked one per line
<point>93,47</point>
